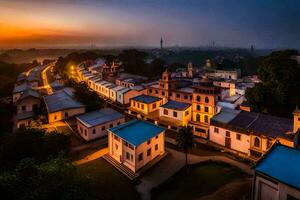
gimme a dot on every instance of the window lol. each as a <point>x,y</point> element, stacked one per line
<point>156,137</point>
<point>149,141</point>
<point>154,106</point>
<point>103,128</point>
<point>23,108</point>
<point>94,131</point>
<point>205,109</point>
<point>150,91</point>
<point>299,119</point>
<point>127,156</point>
<point>111,125</point>
<point>116,146</point>
<point>165,112</point>
<point>149,152</point>
<point>197,118</point>
<point>85,133</point>
<point>163,93</point>
<point>156,91</point>
<point>66,115</point>
<point>206,119</point>
<point>177,95</point>
<point>133,103</point>
<point>81,130</point>
<point>238,136</point>
<point>256,142</point>
<point>138,105</point>
<point>198,107</point>
<point>206,99</point>
<point>170,94</point>
<point>185,97</point>
<point>216,130</point>
<point>186,113</point>
<point>140,158</point>
<point>156,147</point>
<point>55,117</point>
<point>198,98</point>
<point>142,106</point>
<point>174,114</point>
<point>227,133</point>
<point>118,123</point>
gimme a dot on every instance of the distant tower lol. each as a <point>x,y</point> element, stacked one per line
<point>190,70</point>
<point>252,48</point>
<point>161,43</point>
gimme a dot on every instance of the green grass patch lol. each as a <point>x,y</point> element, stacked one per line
<point>106,182</point>
<point>201,179</point>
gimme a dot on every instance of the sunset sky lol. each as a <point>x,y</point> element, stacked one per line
<point>109,23</point>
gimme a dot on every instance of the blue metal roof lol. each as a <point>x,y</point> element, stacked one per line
<point>99,117</point>
<point>137,132</point>
<point>146,99</point>
<point>282,163</point>
<point>176,105</point>
<point>59,101</point>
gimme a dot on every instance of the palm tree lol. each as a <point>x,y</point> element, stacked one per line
<point>185,141</point>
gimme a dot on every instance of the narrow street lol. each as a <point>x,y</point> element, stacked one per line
<point>44,77</point>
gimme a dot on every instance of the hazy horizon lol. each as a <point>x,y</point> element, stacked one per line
<point>269,24</point>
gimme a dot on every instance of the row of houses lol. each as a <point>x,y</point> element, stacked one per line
<point>116,93</point>
<point>26,96</point>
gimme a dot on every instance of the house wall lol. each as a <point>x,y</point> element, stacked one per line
<point>28,103</point>
<point>296,122</point>
<point>145,108</point>
<point>181,115</point>
<point>23,123</point>
<point>218,135</point>
<point>181,97</point>
<point>112,95</point>
<point>118,149</point>
<point>266,189</point>
<point>60,115</point>
<point>154,153</point>
<point>100,130</point>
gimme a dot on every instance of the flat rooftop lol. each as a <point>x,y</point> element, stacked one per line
<point>176,105</point>
<point>146,99</point>
<point>281,163</point>
<point>99,117</point>
<point>137,132</point>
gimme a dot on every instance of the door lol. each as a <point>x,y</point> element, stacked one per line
<point>228,142</point>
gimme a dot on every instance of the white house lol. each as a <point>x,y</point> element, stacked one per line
<point>94,124</point>
<point>250,133</point>
<point>113,92</point>
<point>277,175</point>
<point>62,105</point>
<point>136,143</point>
<point>175,113</point>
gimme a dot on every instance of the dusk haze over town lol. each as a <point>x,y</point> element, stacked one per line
<point>150,99</point>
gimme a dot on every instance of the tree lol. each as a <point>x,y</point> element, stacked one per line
<point>277,94</point>
<point>86,96</point>
<point>185,141</point>
<point>33,143</point>
<point>55,179</point>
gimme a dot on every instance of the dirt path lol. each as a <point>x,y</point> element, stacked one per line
<point>238,189</point>
<point>91,157</point>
